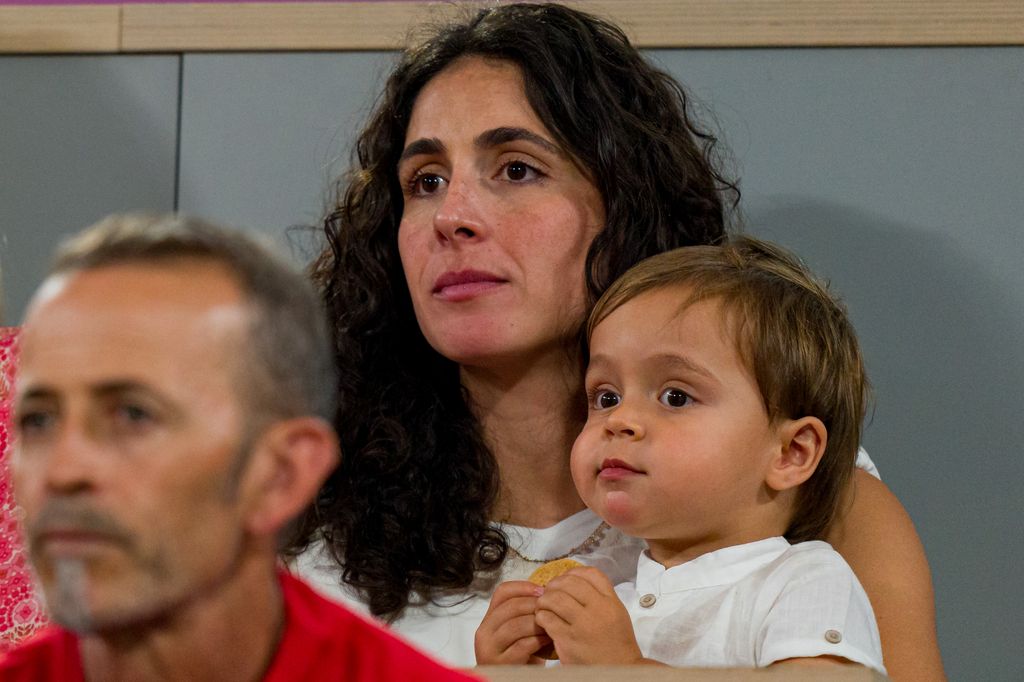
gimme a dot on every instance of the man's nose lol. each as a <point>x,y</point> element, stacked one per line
<point>69,461</point>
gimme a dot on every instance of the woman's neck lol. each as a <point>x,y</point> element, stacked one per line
<point>530,417</point>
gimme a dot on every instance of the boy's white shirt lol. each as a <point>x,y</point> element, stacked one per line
<point>752,605</point>
<point>446,628</point>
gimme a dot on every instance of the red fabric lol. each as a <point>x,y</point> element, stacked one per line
<point>325,641</point>
<point>322,641</point>
<point>50,656</point>
<point>21,611</point>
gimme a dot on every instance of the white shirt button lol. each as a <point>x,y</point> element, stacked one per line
<point>833,636</point>
<point>647,601</point>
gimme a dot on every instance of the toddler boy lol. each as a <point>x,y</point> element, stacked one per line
<point>726,392</point>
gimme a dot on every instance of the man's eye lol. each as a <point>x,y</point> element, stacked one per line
<point>674,397</point>
<point>605,399</point>
<point>132,415</point>
<point>34,422</point>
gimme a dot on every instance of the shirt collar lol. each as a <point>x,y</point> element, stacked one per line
<point>721,567</point>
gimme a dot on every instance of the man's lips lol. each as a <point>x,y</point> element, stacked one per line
<point>73,541</point>
<point>616,469</point>
<point>465,284</point>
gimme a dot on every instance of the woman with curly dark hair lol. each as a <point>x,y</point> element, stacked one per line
<point>517,162</point>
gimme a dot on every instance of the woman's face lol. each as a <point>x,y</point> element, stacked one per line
<point>497,220</point>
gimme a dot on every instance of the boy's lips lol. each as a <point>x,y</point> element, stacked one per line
<point>616,469</point>
<point>461,285</point>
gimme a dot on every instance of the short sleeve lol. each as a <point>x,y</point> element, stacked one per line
<point>818,609</point>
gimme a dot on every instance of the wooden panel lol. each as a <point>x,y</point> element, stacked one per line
<point>642,673</point>
<point>79,28</point>
<point>385,25</point>
<point>268,26</point>
<point>651,23</point>
<point>763,23</point>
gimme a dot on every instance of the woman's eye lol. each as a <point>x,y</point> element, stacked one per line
<point>517,171</point>
<point>425,184</point>
<point>605,399</point>
<point>674,397</point>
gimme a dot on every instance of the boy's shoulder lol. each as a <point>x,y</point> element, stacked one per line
<point>808,577</point>
<point>811,604</point>
<point>811,550</point>
<point>812,558</point>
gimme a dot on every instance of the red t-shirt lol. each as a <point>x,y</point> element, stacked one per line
<point>322,641</point>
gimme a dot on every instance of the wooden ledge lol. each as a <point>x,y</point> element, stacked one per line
<point>56,28</point>
<point>643,673</point>
<point>178,27</point>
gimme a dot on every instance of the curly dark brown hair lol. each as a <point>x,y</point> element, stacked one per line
<point>407,514</point>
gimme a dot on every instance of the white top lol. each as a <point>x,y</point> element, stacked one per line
<point>752,605</point>
<point>446,627</point>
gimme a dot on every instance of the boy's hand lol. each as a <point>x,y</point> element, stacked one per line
<point>509,634</point>
<point>584,617</point>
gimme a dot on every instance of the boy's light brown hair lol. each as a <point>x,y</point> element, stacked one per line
<point>793,335</point>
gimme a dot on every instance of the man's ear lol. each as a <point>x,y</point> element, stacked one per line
<point>801,444</point>
<point>295,457</point>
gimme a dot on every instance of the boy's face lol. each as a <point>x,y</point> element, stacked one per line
<point>677,441</point>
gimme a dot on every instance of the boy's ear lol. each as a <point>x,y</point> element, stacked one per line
<point>296,456</point>
<point>801,445</point>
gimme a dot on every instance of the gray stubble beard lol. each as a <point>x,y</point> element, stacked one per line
<point>70,607</point>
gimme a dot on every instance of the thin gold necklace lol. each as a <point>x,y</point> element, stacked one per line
<point>582,548</point>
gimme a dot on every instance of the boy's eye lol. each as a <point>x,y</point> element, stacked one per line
<point>674,397</point>
<point>605,399</point>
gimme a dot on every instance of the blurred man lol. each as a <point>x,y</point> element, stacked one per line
<point>172,416</point>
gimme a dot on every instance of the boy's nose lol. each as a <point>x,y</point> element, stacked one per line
<point>625,423</point>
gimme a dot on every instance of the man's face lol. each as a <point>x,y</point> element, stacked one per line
<point>128,429</point>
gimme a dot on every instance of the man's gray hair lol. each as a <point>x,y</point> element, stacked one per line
<point>287,365</point>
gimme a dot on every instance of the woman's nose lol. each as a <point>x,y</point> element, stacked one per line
<point>459,218</point>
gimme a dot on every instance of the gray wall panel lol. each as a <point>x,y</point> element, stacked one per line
<point>264,135</point>
<point>897,174</point>
<point>80,137</point>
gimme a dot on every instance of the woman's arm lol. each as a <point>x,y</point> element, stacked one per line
<point>878,540</point>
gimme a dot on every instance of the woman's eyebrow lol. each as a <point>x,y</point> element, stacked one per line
<point>498,136</point>
<point>424,145</point>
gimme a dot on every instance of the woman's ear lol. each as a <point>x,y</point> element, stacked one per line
<point>801,444</point>
<point>296,455</point>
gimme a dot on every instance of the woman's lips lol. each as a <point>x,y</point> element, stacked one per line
<point>465,284</point>
<point>616,470</point>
